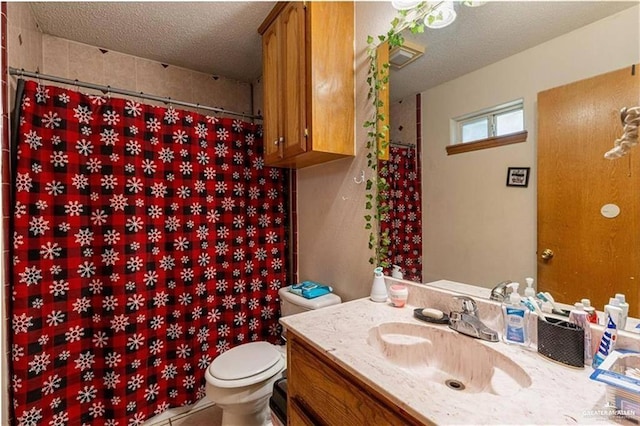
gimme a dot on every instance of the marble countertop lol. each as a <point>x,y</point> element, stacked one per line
<point>558,394</point>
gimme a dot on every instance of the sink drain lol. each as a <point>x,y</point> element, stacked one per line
<point>454,384</point>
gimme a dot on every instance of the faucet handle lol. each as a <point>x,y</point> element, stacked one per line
<point>469,305</point>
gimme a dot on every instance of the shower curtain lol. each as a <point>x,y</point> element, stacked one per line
<point>404,219</point>
<point>146,242</point>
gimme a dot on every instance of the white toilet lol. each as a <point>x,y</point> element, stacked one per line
<point>240,380</point>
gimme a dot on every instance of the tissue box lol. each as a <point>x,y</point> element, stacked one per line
<point>620,371</point>
<point>561,341</point>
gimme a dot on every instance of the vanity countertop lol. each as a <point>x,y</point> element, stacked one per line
<point>557,395</point>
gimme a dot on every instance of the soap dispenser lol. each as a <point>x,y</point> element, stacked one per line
<point>396,272</point>
<point>378,288</point>
<point>516,319</point>
<point>529,291</point>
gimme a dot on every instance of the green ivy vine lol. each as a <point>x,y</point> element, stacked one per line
<point>377,187</point>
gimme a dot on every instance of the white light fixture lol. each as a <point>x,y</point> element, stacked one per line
<point>441,16</point>
<point>405,4</point>
<point>401,56</point>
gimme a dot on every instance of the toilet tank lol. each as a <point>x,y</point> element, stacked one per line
<point>291,304</point>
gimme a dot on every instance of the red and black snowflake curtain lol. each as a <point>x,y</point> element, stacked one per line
<point>146,242</point>
<point>404,220</point>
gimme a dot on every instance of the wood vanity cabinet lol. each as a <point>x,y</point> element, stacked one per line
<point>320,392</point>
<point>308,83</point>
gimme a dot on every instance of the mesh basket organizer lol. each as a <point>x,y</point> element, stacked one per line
<point>561,341</point>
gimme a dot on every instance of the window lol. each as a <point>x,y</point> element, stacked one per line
<point>497,121</point>
<point>489,128</point>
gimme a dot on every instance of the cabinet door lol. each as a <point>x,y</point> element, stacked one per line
<point>295,78</point>
<point>320,394</point>
<point>273,95</point>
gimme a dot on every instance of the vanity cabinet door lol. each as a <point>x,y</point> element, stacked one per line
<point>322,393</point>
<point>308,83</point>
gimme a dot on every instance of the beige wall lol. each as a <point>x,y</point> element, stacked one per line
<point>332,238</point>
<point>477,230</point>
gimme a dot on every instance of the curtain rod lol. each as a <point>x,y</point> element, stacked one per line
<point>402,144</point>
<point>109,89</point>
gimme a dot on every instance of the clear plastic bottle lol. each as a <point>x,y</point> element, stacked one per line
<point>516,319</point>
<point>529,290</point>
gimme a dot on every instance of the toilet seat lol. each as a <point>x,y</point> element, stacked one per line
<point>245,365</point>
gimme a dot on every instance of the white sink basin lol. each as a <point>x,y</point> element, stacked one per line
<point>441,355</point>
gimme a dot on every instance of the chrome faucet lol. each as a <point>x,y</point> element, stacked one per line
<point>467,321</point>
<point>499,292</point>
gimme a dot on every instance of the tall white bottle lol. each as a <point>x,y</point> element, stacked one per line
<point>529,291</point>
<point>625,310</point>
<point>378,288</point>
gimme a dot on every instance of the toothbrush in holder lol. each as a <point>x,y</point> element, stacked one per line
<point>546,297</point>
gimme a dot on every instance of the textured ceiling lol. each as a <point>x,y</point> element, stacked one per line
<point>220,37</point>
<point>483,35</point>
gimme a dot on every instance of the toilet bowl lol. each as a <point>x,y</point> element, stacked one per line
<point>240,381</point>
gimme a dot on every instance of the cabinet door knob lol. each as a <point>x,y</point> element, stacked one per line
<point>275,142</point>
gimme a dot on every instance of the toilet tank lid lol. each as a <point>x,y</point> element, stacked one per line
<point>315,303</point>
<point>244,361</point>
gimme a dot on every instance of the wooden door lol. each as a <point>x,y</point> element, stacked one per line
<point>593,256</point>
<point>272,89</point>
<point>294,82</point>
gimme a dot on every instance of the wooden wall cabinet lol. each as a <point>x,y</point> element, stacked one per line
<point>319,392</point>
<point>308,83</point>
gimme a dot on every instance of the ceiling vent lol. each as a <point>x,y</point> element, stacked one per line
<point>401,56</point>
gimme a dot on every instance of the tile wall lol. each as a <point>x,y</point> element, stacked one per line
<point>402,126</point>
<point>6,205</point>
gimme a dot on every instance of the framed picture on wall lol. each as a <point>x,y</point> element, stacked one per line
<point>518,176</point>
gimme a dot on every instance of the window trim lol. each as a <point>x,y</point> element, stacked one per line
<point>493,142</point>
<point>488,113</point>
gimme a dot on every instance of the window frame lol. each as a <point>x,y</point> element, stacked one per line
<point>492,140</point>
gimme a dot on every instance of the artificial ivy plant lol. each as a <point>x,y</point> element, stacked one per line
<point>377,187</point>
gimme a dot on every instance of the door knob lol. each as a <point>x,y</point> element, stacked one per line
<point>547,254</point>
